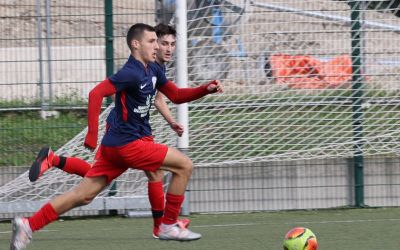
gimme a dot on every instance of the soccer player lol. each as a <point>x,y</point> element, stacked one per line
<point>128,142</point>
<point>46,158</point>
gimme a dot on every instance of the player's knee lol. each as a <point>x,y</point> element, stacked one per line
<point>187,167</point>
<point>155,176</point>
<point>158,176</point>
<point>87,199</point>
<point>83,198</point>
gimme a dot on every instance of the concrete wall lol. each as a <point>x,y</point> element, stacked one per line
<point>293,185</point>
<point>308,184</point>
<point>75,70</point>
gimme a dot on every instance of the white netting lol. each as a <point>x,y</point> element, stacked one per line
<point>286,66</point>
<point>55,181</point>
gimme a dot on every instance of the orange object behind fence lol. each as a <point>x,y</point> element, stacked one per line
<point>307,72</point>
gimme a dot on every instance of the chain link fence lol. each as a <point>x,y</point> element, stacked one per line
<point>53,53</point>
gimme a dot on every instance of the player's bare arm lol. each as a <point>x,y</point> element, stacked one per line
<point>164,110</point>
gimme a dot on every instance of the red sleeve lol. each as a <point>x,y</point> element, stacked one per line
<point>96,95</point>
<point>182,95</point>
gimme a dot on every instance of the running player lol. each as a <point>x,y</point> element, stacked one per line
<point>128,142</point>
<point>46,158</point>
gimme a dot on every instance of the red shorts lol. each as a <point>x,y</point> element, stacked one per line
<point>143,154</point>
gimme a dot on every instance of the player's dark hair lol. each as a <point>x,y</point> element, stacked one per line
<point>136,31</point>
<point>164,29</point>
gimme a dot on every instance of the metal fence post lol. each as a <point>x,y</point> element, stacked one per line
<point>108,24</point>
<point>49,57</point>
<point>109,41</point>
<point>40,50</point>
<point>357,98</point>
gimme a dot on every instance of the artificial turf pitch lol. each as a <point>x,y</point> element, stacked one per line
<point>352,229</point>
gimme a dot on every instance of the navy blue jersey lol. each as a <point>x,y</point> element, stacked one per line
<point>136,87</point>
<point>113,113</point>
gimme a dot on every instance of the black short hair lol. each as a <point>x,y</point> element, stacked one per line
<point>164,29</point>
<point>136,31</point>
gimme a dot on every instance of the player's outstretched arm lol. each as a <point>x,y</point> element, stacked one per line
<point>182,95</point>
<point>164,110</point>
<point>96,95</point>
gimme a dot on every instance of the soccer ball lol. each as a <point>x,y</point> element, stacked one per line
<point>300,238</point>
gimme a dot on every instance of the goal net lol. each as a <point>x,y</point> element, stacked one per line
<point>314,79</point>
<point>128,192</point>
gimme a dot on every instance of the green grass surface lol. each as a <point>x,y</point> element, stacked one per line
<point>22,134</point>
<point>345,229</point>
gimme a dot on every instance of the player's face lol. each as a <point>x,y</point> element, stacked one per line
<point>167,47</point>
<point>148,46</point>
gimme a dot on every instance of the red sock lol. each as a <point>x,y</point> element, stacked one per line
<point>56,160</point>
<point>157,202</point>
<point>172,208</point>
<point>41,218</point>
<point>71,165</point>
<point>76,166</point>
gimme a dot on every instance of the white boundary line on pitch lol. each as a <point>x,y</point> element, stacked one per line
<point>277,223</point>
<point>298,222</point>
<point>8,232</point>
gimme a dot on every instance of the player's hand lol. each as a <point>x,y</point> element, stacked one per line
<point>90,141</point>
<point>215,87</point>
<point>178,128</point>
